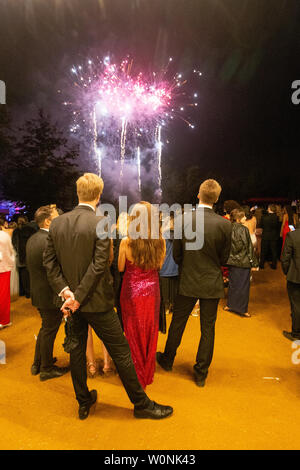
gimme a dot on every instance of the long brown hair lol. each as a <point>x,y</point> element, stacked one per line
<point>147,253</point>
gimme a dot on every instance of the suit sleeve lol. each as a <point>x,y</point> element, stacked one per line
<point>227,244</point>
<point>53,268</point>
<point>95,270</point>
<point>287,254</point>
<point>177,251</point>
<point>14,239</point>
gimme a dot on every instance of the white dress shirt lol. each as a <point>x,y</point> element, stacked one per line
<point>87,205</point>
<point>205,205</point>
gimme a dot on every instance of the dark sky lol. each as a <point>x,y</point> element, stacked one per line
<point>247,50</point>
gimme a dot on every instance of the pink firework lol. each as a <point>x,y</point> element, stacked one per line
<point>123,96</point>
<point>120,108</point>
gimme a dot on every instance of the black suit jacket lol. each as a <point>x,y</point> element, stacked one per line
<point>200,270</point>
<point>77,258</point>
<point>42,296</point>
<point>270,226</point>
<point>20,238</point>
<point>290,259</point>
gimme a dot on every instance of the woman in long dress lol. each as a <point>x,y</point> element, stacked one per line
<point>141,258</point>
<point>240,262</point>
<point>6,265</point>
<point>14,275</point>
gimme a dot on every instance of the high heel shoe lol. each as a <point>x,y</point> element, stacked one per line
<point>108,371</point>
<point>91,369</point>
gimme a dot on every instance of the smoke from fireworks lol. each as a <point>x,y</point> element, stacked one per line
<point>123,113</point>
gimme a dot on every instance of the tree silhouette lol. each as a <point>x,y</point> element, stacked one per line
<point>41,168</point>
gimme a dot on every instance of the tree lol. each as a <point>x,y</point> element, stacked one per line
<point>43,169</point>
<point>5,145</point>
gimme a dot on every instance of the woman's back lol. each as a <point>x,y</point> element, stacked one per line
<point>139,282</point>
<point>140,303</point>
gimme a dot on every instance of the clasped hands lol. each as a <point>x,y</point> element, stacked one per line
<point>70,305</point>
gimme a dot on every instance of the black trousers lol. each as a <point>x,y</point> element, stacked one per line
<point>51,320</point>
<point>266,247</point>
<point>294,296</point>
<point>108,328</point>
<point>24,282</point>
<point>208,315</point>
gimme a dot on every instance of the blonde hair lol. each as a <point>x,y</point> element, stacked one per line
<point>89,187</point>
<point>122,223</point>
<point>147,253</point>
<point>209,191</point>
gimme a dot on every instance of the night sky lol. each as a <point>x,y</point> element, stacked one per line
<point>247,50</point>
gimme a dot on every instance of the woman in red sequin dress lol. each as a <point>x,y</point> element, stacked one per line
<point>141,258</point>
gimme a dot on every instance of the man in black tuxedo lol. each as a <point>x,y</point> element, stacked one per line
<point>290,262</point>
<point>200,278</point>
<point>270,235</point>
<point>77,263</point>
<point>42,297</point>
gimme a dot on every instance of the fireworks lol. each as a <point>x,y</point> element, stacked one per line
<point>120,109</point>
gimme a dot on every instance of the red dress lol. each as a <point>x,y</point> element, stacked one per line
<point>140,303</point>
<point>4,298</point>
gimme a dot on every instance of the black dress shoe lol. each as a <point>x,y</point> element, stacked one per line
<point>289,335</point>
<point>199,379</point>
<point>84,410</point>
<point>199,382</point>
<point>155,411</point>
<point>35,368</point>
<point>54,373</point>
<point>161,361</point>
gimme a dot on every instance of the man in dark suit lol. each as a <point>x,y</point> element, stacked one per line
<point>290,262</point>
<point>42,297</point>
<point>200,278</point>
<point>77,263</point>
<point>270,235</point>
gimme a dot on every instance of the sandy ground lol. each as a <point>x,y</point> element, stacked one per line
<point>250,401</point>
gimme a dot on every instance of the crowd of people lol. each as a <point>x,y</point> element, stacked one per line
<point>123,288</point>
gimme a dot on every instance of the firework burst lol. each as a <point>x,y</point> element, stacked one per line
<point>119,109</point>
